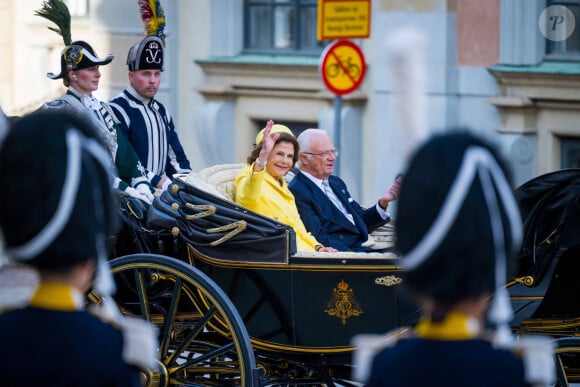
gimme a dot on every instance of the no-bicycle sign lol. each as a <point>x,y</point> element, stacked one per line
<point>342,67</point>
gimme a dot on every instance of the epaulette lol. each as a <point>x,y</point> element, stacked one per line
<point>64,100</point>
<point>537,354</point>
<point>56,104</point>
<point>140,346</point>
<point>368,345</point>
<point>66,103</point>
<point>139,338</point>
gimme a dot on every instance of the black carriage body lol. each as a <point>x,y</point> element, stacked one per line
<point>313,305</point>
<point>293,302</point>
<point>546,292</point>
<point>301,310</point>
<point>304,308</point>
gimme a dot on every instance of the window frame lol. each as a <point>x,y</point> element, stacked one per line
<point>569,146</point>
<point>72,8</point>
<point>296,49</point>
<point>572,56</point>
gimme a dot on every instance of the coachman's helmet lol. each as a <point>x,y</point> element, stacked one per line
<point>146,55</point>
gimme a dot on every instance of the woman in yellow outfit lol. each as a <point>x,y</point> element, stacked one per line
<point>260,186</point>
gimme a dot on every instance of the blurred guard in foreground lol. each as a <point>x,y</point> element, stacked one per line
<point>458,235</point>
<point>57,214</point>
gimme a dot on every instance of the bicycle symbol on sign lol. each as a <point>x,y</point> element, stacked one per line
<point>335,69</point>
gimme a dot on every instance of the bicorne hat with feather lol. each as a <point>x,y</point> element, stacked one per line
<point>148,53</point>
<point>75,55</point>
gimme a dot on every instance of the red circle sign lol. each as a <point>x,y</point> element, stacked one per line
<point>342,67</point>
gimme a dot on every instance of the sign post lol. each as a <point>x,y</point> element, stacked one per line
<point>342,68</point>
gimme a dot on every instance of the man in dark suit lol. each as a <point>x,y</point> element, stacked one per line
<point>325,205</point>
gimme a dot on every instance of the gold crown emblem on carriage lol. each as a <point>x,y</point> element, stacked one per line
<point>343,303</point>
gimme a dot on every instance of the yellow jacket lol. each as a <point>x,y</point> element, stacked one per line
<point>262,193</point>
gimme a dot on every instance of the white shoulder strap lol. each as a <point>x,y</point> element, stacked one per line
<point>538,356</point>
<point>140,346</point>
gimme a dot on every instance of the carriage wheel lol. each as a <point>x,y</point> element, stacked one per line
<point>202,339</point>
<point>567,361</point>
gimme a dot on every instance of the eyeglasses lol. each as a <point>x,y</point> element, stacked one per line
<point>334,152</point>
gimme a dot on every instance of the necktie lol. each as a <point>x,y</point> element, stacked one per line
<point>335,200</point>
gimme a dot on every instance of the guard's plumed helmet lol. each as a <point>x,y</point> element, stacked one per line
<point>56,205</point>
<point>458,225</point>
<point>79,55</point>
<point>146,55</point>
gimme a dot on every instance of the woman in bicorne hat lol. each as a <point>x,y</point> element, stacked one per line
<point>80,72</point>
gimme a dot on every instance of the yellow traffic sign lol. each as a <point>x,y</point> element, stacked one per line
<point>344,19</point>
<point>342,67</point>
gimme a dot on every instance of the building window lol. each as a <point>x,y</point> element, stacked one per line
<point>281,27</point>
<point>570,152</point>
<point>78,8</point>
<point>566,49</point>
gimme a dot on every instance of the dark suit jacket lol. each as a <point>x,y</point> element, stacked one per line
<point>326,222</point>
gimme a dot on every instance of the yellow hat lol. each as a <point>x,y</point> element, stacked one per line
<point>276,128</point>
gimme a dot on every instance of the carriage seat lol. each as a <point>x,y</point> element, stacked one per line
<point>220,180</point>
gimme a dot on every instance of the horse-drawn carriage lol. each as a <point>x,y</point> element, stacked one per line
<point>235,303</point>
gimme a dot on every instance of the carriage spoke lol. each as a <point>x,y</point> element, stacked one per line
<point>142,293</point>
<point>170,319</point>
<point>199,326</point>
<point>209,355</point>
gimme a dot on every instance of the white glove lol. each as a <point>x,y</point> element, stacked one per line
<point>138,195</point>
<point>144,189</point>
<point>166,184</point>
